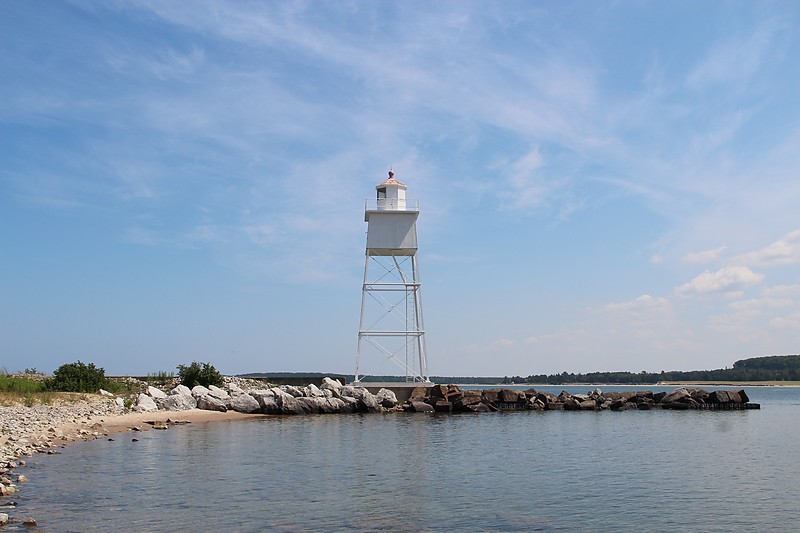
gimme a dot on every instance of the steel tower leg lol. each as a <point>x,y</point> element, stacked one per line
<point>361,321</point>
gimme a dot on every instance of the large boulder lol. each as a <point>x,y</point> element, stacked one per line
<point>420,407</point>
<point>216,392</point>
<point>181,389</point>
<point>332,385</point>
<point>349,404</point>
<point>490,395</point>
<point>233,389</point>
<point>156,393</point>
<point>290,405</point>
<point>366,400</point>
<point>336,404</point>
<point>387,398</point>
<point>260,395</point>
<point>312,391</point>
<point>442,406</point>
<point>145,403</point>
<point>244,403</point>
<point>293,391</point>
<point>418,394</point>
<point>210,403</point>
<point>678,395</point>
<point>437,392</point>
<point>199,390</point>
<point>510,396</point>
<point>269,406</point>
<point>179,402</point>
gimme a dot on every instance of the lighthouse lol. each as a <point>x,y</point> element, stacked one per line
<point>391,325</point>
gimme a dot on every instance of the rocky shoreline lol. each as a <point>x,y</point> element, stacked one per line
<point>25,431</point>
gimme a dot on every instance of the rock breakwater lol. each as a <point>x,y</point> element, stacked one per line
<point>450,398</point>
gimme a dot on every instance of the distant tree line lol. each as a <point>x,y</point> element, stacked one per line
<point>770,368</point>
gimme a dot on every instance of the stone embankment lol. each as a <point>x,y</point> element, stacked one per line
<point>449,398</point>
<point>330,397</point>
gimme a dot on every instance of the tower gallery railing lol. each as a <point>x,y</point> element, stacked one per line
<point>391,204</point>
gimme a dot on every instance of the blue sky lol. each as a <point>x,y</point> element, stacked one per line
<point>603,185</point>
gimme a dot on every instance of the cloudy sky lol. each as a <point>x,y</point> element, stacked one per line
<point>602,185</point>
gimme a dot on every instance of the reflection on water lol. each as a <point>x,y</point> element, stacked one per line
<point>521,471</point>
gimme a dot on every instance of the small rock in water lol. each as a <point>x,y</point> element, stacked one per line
<point>134,440</point>
<point>21,478</point>
<point>3,519</point>
<point>110,440</point>
<point>29,522</point>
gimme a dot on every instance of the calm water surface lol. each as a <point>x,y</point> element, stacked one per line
<point>516,471</point>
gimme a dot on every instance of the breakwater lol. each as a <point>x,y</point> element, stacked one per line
<point>332,397</point>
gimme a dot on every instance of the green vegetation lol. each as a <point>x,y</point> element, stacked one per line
<point>160,378</point>
<point>204,375</point>
<point>782,368</point>
<point>19,385</point>
<point>77,377</point>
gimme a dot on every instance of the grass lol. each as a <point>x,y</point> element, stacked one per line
<point>160,378</point>
<point>19,385</point>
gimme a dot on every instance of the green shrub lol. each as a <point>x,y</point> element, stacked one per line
<point>204,375</point>
<point>19,385</point>
<point>77,377</point>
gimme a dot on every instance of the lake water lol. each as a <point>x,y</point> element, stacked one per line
<point>511,471</point>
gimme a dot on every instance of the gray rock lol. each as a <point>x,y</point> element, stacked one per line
<point>269,406</point>
<point>233,389</point>
<point>293,391</point>
<point>312,391</point>
<point>442,406</point>
<point>106,393</point>
<point>145,403</point>
<point>337,404</point>
<point>349,404</point>
<point>332,385</point>
<point>156,393</point>
<point>368,402</point>
<point>199,390</point>
<point>290,406</point>
<point>386,398</point>
<point>216,392</point>
<point>179,402</point>
<point>244,403</point>
<point>678,395</point>
<point>347,390</point>
<point>420,407</point>
<point>3,519</point>
<point>181,389</point>
<point>261,396</point>
<point>210,403</point>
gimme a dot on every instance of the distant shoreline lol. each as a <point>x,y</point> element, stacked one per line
<point>789,384</point>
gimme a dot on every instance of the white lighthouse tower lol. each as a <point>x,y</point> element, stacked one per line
<point>391,303</point>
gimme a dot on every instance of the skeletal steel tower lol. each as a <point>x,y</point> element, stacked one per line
<point>391,303</point>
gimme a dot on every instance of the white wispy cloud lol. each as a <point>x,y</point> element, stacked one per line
<point>727,280</point>
<point>706,256</point>
<point>784,251</point>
